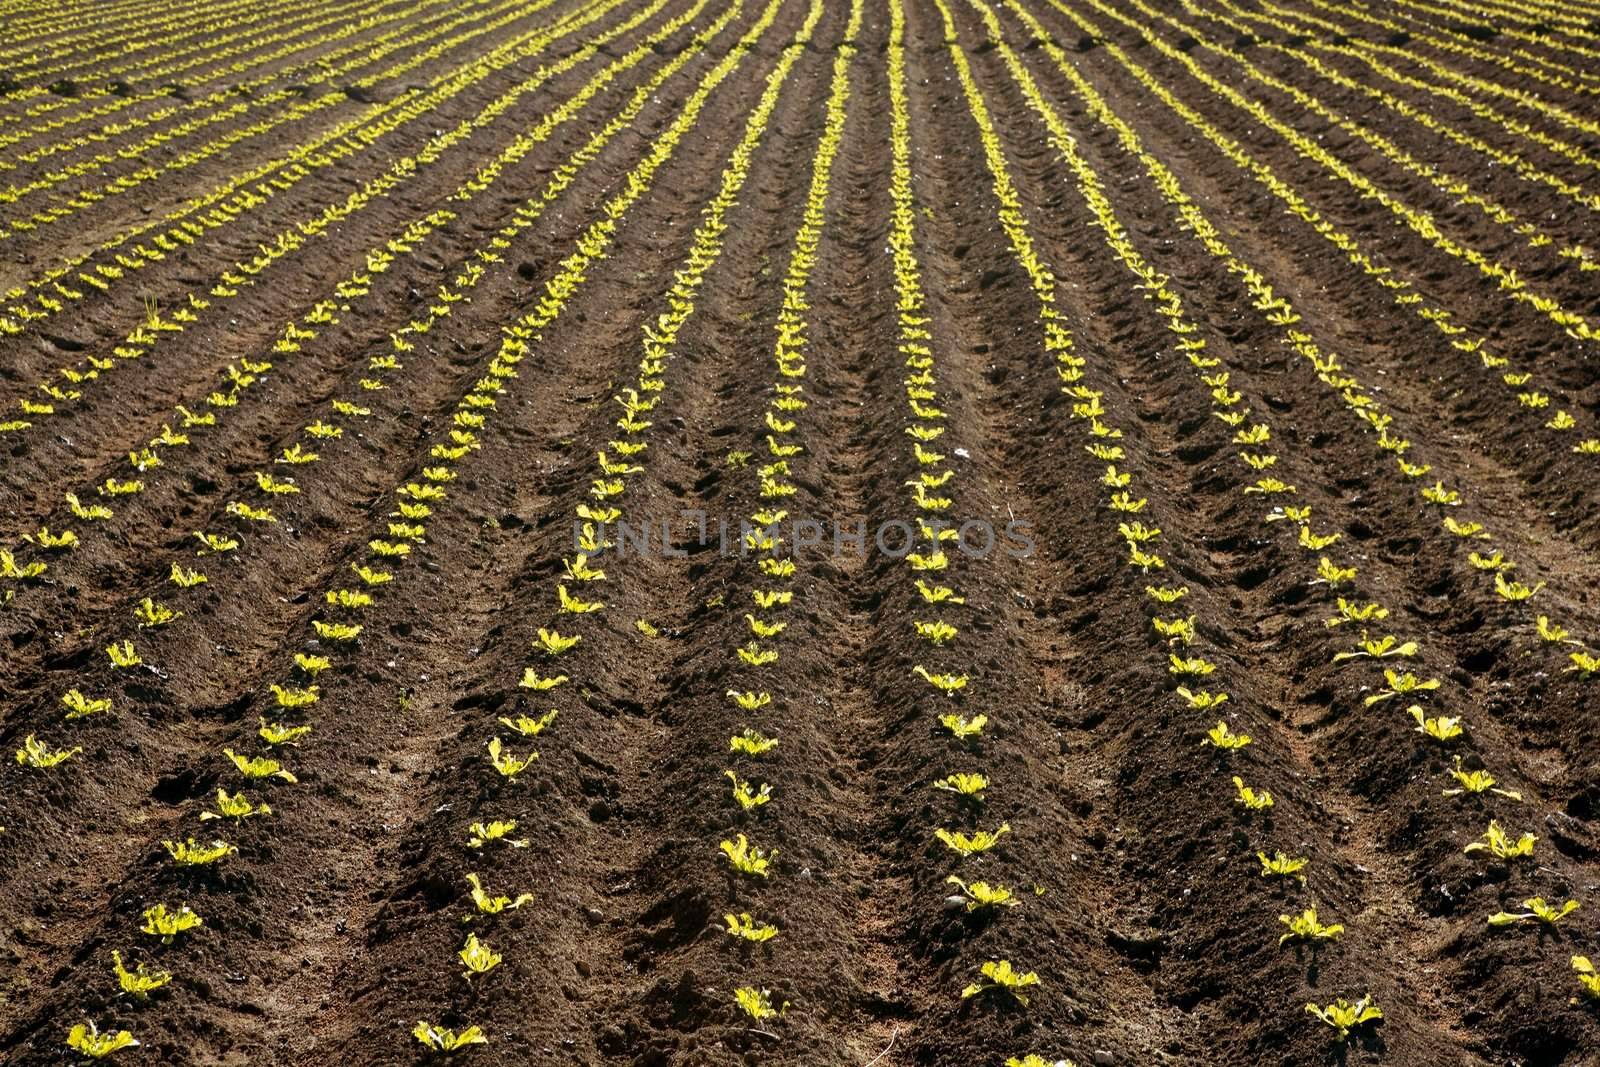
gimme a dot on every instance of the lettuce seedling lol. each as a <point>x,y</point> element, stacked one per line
<point>507,763</point>
<point>531,679</point>
<point>966,785</point>
<point>1220,736</point>
<point>757,1003</point>
<point>1584,663</point>
<point>1252,800</point>
<point>1201,699</point>
<point>948,684</point>
<point>167,925</point>
<point>752,743</point>
<point>574,605</point>
<point>1382,648</point>
<point>236,807</point>
<point>192,853</point>
<point>1588,977</point>
<point>1499,844</point>
<point>439,1039</point>
<point>746,928</point>
<point>140,982</point>
<point>1512,590</point>
<point>748,859</point>
<point>1344,1016</point>
<point>79,706</point>
<point>122,654</point>
<point>496,830</point>
<point>1538,911</point>
<point>493,905</point>
<point>1282,866</point>
<point>553,643</point>
<point>979,841</point>
<point>963,728</point>
<point>1443,729</point>
<point>1306,927</point>
<point>765,629</point>
<point>1000,976</point>
<point>338,632</point>
<point>87,1039</point>
<point>277,733</point>
<point>35,753</point>
<point>1476,782</point>
<point>186,579</point>
<point>1400,684</point>
<point>749,797</point>
<point>258,767</point>
<point>977,895</point>
<point>755,656</point>
<point>152,615</point>
<point>295,698</point>
<point>938,594</point>
<point>528,726</point>
<point>750,701</point>
<point>478,958</point>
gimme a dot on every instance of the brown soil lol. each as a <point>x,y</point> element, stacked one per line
<point>1143,911</point>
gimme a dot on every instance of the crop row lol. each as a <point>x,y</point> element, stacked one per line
<point>250,189</point>
<point>334,639</point>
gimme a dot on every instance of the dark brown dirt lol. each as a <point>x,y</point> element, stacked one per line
<point>1143,910</point>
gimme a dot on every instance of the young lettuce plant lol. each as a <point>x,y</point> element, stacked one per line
<point>87,1039</point>
<point>1443,729</point>
<point>1344,1016</point>
<point>493,905</point>
<point>979,841</point>
<point>79,706</point>
<point>1588,977</point>
<point>747,858</point>
<point>508,763</point>
<point>752,743</point>
<point>236,807</point>
<point>963,728</point>
<point>977,895</point>
<point>496,830</point>
<point>969,786</point>
<point>1000,977</point>
<point>746,928</point>
<point>1499,844</point>
<point>748,797</point>
<point>478,958</point>
<point>528,726</point>
<point>1279,865</point>
<point>35,753</point>
<point>167,925</point>
<point>140,982</point>
<point>1474,782</point>
<point>948,684</point>
<point>1306,927</point>
<point>1250,798</point>
<point>258,767</point>
<point>1220,736</point>
<point>1399,685</point>
<point>757,1003</point>
<point>277,733</point>
<point>192,853</point>
<point>531,679</point>
<point>1537,911</point>
<point>438,1039</point>
<point>750,701</point>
